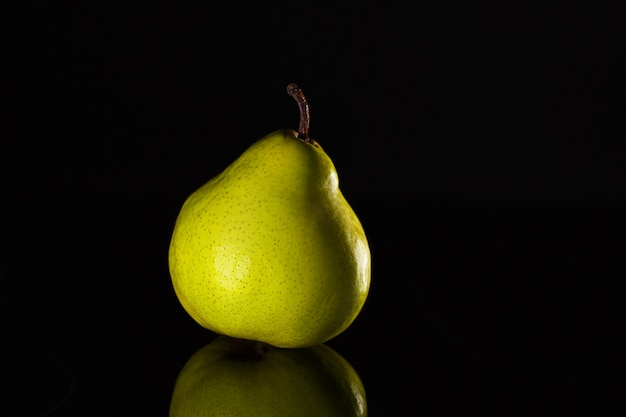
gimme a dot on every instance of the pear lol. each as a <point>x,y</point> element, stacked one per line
<point>232,377</point>
<point>270,250</point>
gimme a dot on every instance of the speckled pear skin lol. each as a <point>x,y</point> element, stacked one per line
<point>220,380</point>
<point>270,250</point>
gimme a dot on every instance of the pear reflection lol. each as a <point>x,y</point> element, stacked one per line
<point>233,377</point>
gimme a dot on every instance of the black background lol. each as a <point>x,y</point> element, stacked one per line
<point>479,143</point>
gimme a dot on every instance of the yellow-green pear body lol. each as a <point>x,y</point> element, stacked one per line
<point>270,250</point>
<point>219,380</point>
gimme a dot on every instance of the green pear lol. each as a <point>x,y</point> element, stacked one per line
<point>231,377</point>
<point>270,250</point>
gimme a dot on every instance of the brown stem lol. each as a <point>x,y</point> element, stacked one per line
<point>305,117</point>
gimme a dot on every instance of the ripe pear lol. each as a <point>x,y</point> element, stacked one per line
<point>232,377</point>
<point>270,250</point>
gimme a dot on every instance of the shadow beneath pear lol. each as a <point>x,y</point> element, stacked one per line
<point>234,377</point>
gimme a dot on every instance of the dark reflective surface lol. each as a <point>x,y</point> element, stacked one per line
<point>35,382</point>
<point>489,307</point>
<point>245,378</point>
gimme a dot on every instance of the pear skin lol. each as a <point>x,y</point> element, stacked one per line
<point>270,250</point>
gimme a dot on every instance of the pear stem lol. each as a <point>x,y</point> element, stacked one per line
<point>305,116</point>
